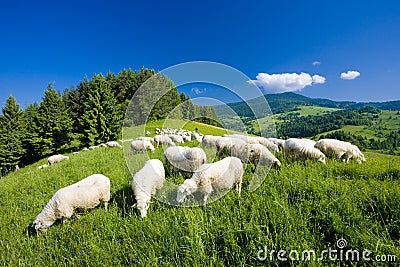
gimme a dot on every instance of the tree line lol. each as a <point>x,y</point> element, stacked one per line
<point>88,114</point>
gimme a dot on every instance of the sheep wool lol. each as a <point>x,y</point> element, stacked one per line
<point>333,148</point>
<point>56,158</point>
<point>221,175</point>
<point>185,158</point>
<point>146,182</point>
<point>87,193</point>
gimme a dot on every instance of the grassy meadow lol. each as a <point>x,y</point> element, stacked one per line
<point>302,206</point>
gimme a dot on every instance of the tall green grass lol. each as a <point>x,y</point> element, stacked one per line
<point>305,205</point>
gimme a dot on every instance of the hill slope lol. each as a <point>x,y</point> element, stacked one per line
<point>305,205</point>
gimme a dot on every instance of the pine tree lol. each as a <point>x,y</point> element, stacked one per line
<point>54,121</point>
<point>101,121</point>
<point>32,141</point>
<point>11,150</point>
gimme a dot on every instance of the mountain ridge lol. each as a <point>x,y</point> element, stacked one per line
<point>289,101</point>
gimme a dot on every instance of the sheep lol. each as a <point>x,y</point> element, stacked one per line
<point>257,140</point>
<point>177,139</point>
<point>187,138</point>
<point>43,166</point>
<point>223,174</point>
<point>197,137</point>
<point>75,153</point>
<point>141,145</point>
<point>146,182</point>
<point>185,158</point>
<point>259,154</point>
<point>113,144</point>
<point>85,149</point>
<point>209,140</point>
<point>224,145</point>
<point>102,145</point>
<point>333,148</point>
<point>93,147</point>
<point>240,149</point>
<point>56,158</point>
<point>303,148</point>
<point>163,139</point>
<point>279,142</point>
<point>87,193</point>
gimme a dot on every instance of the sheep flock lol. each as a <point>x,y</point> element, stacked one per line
<point>232,152</point>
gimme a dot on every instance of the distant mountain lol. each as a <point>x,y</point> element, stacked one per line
<point>285,102</point>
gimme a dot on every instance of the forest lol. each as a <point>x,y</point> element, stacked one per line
<point>87,114</point>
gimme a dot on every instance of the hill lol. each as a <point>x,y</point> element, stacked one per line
<point>305,205</point>
<point>286,102</point>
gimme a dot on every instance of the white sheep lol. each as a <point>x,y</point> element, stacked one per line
<point>185,158</point>
<point>141,145</point>
<point>209,140</point>
<point>163,140</point>
<point>240,149</point>
<point>333,148</point>
<point>197,136</point>
<point>87,193</point>
<point>279,142</point>
<point>93,147</point>
<point>146,182</point>
<point>43,166</point>
<point>257,140</point>
<point>176,138</point>
<point>224,145</point>
<point>220,175</point>
<point>259,154</point>
<point>56,158</point>
<point>303,148</point>
<point>113,144</point>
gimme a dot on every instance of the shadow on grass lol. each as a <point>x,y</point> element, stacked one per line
<point>124,200</point>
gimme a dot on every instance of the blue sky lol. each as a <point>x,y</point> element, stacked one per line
<point>272,42</point>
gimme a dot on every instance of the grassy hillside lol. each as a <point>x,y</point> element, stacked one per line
<point>305,205</point>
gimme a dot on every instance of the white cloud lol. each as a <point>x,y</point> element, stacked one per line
<point>198,91</point>
<point>317,79</point>
<point>316,63</point>
<point>349,75</point>
<point>286,82</point>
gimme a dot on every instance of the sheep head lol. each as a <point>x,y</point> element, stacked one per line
<point>185,189</point>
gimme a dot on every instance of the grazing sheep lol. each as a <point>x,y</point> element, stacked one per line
<point>93,147</point>
<point>177,139</point>
<point>146,182</point>
<point>185,158</point>
<point>102,145</point>
<point>224,145</point>
<point>87,193</point>
<point>259,154</point>
<point>163,140</point>
<point>43,166</point>
<point>187,138</point>
<point>56,159</point>
<point>333,148</point>
<point>279,142</point>
<point>113,144</point>
<point>75,153</point>
<point>197,137</point>
<point>303,148</point>
<point>240,149</point>
<point>141,145</point>
<point>223,174</point>
<point>209,140</point>
<point>257,140</point>
<point>85,149</point>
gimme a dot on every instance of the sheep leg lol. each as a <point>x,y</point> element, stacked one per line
<point>239,188</point>
<point>105,205</point>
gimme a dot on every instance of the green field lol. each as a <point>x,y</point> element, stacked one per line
<point>303,111</point>
<point>387,121</point>
<point>313,110</point>
<point>303,206</point>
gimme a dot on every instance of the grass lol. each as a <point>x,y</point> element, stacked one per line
<point>314,110</point>
<point>305,205</point>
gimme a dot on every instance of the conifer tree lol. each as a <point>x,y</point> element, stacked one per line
<point>54,121</point>
<point>11,150</point>
<point>101,121</point>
